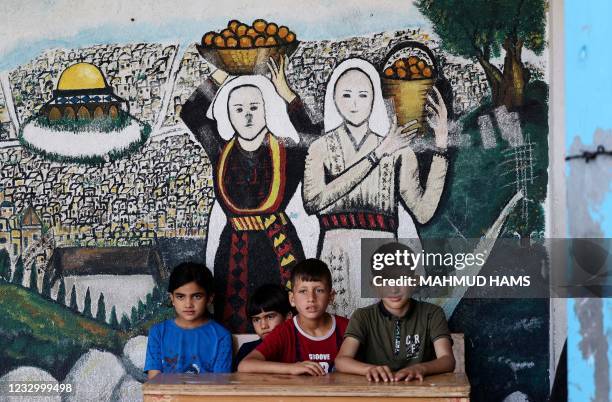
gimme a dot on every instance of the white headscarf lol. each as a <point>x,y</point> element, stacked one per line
<point>277,119</point>
<point>379,120</point>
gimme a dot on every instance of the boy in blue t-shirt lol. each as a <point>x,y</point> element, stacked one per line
<point>192,342</point>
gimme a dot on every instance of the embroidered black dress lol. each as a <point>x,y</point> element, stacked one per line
<point>259,243</point>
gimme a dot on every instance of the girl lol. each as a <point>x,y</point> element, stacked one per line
<point>192,342</point>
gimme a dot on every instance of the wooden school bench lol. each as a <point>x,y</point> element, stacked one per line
<point>335,387</point>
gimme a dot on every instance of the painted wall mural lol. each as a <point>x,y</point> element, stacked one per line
<point>120,160</point>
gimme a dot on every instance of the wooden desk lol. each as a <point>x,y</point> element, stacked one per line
<point>286,388</point>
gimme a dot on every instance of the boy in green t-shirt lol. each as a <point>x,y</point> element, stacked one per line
<point>398,338</point>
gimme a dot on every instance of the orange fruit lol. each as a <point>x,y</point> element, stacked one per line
<point>389,72</point>
<point>271,41</point>
<point>245,42</point>
<point>226,33</point>
<point>414,69</point>
<point>232,42</point>
<point>421,64</point>
<point>399,63</point>
<point>290,37</point>
<point>272,29</point>
<point>415,76</point>
<point>427,72</point>
<point>260,41</point>
<point>219,41</point>
<point>283,31</point>
<point>207,39</point>
<point>241,30</point>
<point>252,33</point>
<point>412,60</point>
<point>233,24</point>
<point>401,73</point>
<point>260,25</point>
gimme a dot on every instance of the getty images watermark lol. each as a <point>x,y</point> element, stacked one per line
<point>487,268</point>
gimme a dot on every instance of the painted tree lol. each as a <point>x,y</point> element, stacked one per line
<point>156,294</point>
<point>134,315</point>
<point>73,299</point>
<point>141,309</point>
<point>61,293</point>
<point>19,270</point>
<point>46,285</point>
<point>101,312</point>
<point>33,278</point>
<point>113,318</point>
<point>5,265</point>
<point>87,304</point>
<point>125,322</point>
<point>481,29</point>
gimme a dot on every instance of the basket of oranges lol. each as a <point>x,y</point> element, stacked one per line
<point>245,49</point>
<point>408,73</point>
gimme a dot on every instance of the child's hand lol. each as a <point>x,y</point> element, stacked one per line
<point>410,373</point>
<point>379,373</point>
<point>308,368</point>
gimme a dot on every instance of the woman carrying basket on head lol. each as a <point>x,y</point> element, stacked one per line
<point>359,171</point>
<point>257,158</point>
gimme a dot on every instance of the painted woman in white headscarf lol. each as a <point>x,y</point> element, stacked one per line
<point>361,169</point>
<point>257,160</point>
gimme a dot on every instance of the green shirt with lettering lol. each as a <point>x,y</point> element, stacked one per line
<point>397,342</point>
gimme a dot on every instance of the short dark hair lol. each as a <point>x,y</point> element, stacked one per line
<point>269,297</point>
<point>191,272</point>
<point>391,270</point>
<point>311,270</point>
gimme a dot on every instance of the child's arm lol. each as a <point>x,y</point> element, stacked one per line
<point>255,362</point>
<point>444,363</point>
<point>152,373</point>
<point>346,363</point>
<point>223,360</point>
<point>153,359</point>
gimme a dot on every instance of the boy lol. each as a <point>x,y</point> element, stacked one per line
<point>268,307</point>
<point>398,338</point>
<point>308,343</point>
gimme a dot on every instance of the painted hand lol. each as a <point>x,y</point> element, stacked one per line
<point>438,118</point>
<point>279,78</point>
<point>399,137</point>
<point>218,75</point>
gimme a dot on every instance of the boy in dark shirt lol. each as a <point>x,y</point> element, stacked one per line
<point>268,307</point>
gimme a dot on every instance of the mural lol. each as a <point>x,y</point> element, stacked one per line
<point>84,121</point>
<point>251,150</point>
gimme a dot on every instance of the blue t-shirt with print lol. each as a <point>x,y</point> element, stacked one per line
<point>204,349</point>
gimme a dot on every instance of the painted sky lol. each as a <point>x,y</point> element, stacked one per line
<point>28,27</point>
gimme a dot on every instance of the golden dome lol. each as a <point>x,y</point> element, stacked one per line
<point>81,76</point>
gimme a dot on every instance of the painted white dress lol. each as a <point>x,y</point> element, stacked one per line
<point>355,198</point>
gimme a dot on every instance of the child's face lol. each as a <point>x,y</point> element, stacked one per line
<point>190,301</point>
<point>397,297</point>
<point>310,298</point>
<point>266,321</point>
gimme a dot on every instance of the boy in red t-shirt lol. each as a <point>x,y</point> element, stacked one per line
<point>308,343</point>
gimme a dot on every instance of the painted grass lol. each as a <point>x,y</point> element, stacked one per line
<point>41,333</point>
